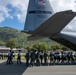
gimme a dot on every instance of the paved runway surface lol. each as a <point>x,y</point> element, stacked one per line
<point>21,69</point>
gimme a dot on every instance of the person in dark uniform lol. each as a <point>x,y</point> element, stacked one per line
<point>45,58</point>
<point>41,57</point>
<point>52,62</point>
<point>69,57</point>
<point>32,56</point>
<point>27,58</point>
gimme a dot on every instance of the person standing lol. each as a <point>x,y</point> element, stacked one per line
<point>45,58</point>
<point>41,57</point>
<point>32,57</point>
<point>38,58</point>
<point>52,62</point>
<point>27,58</point>
<point>9,60</point>
<point>19,58</point>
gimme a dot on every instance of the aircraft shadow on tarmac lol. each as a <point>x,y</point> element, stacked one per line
<point>12,69</point>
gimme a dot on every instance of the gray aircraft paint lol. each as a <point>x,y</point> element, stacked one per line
<point>38,12</point>
<point>41,21</point>
<point>69,35</point>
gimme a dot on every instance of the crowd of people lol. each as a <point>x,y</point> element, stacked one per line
<point>38,58</point>
<point>43,58</point>
<point>10,57</point>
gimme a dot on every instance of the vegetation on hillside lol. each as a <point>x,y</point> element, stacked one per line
<point>20,38</point>
<point>7,33</point>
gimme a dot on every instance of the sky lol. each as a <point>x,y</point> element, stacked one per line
<point>13,12</point>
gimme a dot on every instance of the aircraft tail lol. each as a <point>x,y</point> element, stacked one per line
<point>38,12</point>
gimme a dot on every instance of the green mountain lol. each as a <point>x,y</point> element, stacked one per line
<point>7,33</point>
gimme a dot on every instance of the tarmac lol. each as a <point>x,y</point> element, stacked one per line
<point>21,69</point>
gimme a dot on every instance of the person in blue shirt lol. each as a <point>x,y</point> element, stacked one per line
<point>19,57</point>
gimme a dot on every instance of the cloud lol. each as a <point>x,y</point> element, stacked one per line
<point>1,18</point>
<point>60,5</point>
<point>20,8</point>
<point>4,13</point>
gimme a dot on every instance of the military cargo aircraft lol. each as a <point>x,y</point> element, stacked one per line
<point>42,22</point>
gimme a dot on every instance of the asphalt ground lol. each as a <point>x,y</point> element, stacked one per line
<point>21,69</point>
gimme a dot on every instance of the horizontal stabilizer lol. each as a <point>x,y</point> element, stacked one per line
<point>54,24</point>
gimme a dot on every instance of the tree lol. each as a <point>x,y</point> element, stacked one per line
<point>55,46</point>
<point>2,43</point>
<point>36,46</point>
<point>64,48</point>
<point>11,43</point>
<point>40,46</point>
<point>30,47</point>
<point>43,46</point>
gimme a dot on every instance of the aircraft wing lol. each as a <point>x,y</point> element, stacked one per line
<point>54,24</point>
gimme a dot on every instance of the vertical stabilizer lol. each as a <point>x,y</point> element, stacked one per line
<point>38,12</point>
